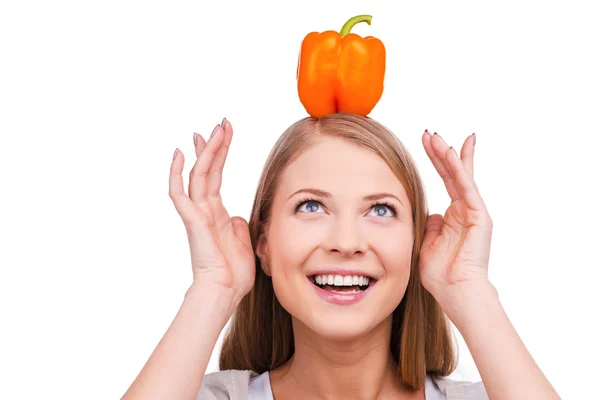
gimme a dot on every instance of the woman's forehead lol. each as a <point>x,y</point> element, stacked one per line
<point>338,158</point>
<point>342,171</point>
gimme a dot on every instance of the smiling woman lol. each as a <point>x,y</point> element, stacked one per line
<point>299,315</point>
<point>341,285</point>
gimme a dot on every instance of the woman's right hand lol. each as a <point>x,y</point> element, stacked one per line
<point>220,246</point>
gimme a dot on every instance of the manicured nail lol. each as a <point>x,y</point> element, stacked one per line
<point>427,132</point>
<point>223,122</point>
<point>215,130</point>
<point>435,133</point>
<point>474,139</point>
<point>175,154</point>
<point>195,139</point>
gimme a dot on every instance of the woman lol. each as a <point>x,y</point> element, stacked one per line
<point>342,284</point>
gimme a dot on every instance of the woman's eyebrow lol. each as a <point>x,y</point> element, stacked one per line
<point>322,193</point>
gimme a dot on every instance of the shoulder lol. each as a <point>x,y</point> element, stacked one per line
<point>233,385</point>
<point>463,390</point>
<point>225,385</point>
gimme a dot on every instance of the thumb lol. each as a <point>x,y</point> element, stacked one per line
<point>433,227</point>
<point>241,230</point>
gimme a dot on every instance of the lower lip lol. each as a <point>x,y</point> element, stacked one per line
<point>342,299</point>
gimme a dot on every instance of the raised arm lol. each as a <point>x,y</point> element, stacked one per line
<point>507,369</point>
<point>176,367</point>
<point>223,269</point>
<point>453,265</point>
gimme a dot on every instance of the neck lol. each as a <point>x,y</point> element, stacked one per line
<point>361,368</point>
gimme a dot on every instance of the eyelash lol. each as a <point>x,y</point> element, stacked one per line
<point>378,203</point>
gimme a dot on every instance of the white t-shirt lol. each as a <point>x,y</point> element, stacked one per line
<point>259,388</point>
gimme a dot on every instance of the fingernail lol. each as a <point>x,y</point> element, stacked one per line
<point>474,139</point>
<point>175,154</point>
<point>435,133</point>
<point>214,130</point>
<point>223,122</point>
<point>195,139</point>
<point>427,132</point>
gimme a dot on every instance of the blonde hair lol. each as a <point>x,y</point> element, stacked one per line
<point>260,336</point>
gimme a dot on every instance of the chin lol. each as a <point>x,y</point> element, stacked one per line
<point>339,327</point>
<point>338,316</point>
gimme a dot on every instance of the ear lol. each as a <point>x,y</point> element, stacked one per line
<point>261,252</point>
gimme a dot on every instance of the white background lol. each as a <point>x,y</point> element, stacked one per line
<point>96,96</point>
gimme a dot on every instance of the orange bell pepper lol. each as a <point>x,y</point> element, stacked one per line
<point>340,72</point>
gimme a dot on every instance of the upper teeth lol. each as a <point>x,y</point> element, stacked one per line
<point>339,280</point>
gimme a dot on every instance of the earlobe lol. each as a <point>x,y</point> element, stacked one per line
<point>262,255</point>
<point>265,267</point>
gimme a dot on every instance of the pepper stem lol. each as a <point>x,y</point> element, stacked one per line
<point>353,21</point>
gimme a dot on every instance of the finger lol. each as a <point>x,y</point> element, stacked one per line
<point>434,146</point>
<point>465,183</point>
<point>441,148</point>
<point>215,174</point>
<point>433,228</point>
<point>466,154</point>
<point>199,144</point>
<point>183,204</point>
<point>198,186</point>
<point>242,231</point>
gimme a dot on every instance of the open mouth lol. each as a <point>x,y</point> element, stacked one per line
<point>349,284</point>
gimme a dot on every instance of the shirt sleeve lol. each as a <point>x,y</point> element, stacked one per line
<point>225,385</point>
<point>461,390</point>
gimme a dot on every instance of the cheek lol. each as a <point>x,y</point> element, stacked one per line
<point>292,244</point>
<point>396,256</point>
<point>290,248</point>
<point>394,249</point>
<point>400,257</point>
<point>289,251</point>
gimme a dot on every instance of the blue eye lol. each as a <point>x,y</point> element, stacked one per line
<point>306,202</point>
<point>393,209</point>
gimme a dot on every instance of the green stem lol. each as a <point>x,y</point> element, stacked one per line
<point>353,21</point>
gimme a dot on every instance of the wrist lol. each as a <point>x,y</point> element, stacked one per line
<point>220,300</point>
<point>463,302</point>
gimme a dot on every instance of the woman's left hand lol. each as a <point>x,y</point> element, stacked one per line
<point>454,269</point>
<point>456,248</point>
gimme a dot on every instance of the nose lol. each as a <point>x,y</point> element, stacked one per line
<point>346,237</point>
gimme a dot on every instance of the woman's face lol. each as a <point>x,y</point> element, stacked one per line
<point>315,248</point>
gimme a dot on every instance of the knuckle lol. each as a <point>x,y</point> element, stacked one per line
<point>214,196</point>
<point>194,172</point>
